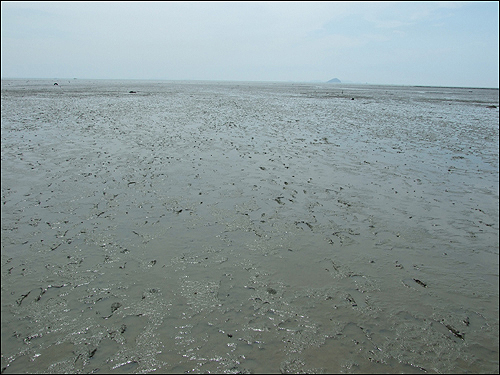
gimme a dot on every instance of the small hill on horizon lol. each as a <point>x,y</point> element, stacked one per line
<point>334,80</point>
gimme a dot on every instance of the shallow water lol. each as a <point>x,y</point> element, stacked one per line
<point>248,228</point>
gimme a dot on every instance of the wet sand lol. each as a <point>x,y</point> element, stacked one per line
<point>248,228</point>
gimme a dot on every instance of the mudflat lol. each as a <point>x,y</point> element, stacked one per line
<point>239,227</point>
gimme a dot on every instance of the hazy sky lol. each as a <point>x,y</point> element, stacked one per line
<point>407,43</point>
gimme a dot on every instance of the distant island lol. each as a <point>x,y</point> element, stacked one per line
<point>335,80</point>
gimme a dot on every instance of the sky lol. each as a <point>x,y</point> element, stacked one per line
<point>452,44</point>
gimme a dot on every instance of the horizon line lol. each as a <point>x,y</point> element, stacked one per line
<point>263,81</point>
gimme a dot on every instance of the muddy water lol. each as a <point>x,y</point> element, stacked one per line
<point>248,227</point>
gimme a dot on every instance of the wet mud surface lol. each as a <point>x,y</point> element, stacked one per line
<point>248,228</point>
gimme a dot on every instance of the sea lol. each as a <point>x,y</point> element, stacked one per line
<point>248,227</point>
